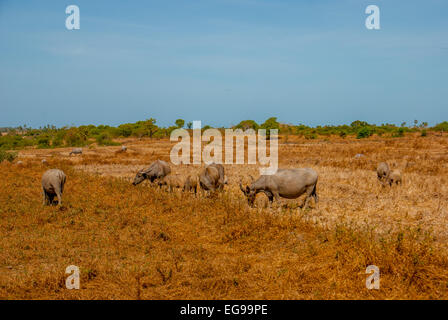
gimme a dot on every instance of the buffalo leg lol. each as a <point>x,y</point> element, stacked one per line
<point>50,198</point>
<point>309,194</point>
<point>59,195</point>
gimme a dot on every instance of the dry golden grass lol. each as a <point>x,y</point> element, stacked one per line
<point>144,243</point>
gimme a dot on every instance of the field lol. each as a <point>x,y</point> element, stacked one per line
<point>144,243</point>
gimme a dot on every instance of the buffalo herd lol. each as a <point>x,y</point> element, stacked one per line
<point>285,183</point>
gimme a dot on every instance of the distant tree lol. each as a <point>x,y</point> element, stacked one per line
<point>247,124</point>
<point>270,124</point>
<point>150,127</point>
<point>76,137</point>
<point>190,125</point>
<point>400,132</point>
<point>443,126</point>
<point>43,141</point>
<point>403,124</point>
<point>8,156</point>
<point>364,132</point>
<point>104,139</point>
<point>125,130</point>
<point>180,123</point>
<point>358,123</point>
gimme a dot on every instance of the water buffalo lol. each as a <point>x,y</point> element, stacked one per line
<point>191,184</point>
<point>53,182</point>
<point>285,183</point>
<point>171,182</point>
<point>76,151</point>
<point>157,170</point>
<point>382,171</point>
<point>124,148</point>
<point>394,177</point>
<point>212,177</point>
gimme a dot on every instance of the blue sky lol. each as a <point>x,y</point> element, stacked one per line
<point>222,61</point>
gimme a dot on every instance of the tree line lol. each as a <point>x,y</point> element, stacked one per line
<point>104,135</point>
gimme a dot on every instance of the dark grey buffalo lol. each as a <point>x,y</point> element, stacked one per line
<point>285,183</point>
<point>76,151</point>
<point>212,178</point>
<point>53,182</point>
<point>157,170</point>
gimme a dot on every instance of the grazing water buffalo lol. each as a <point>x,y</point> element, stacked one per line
<point>394,177</point>
<point>191,184</point>
<point>53,182</point>
<point>157,170</point>
<point>212,177</point>
<point>382,171</point>
<point>76,151</point>
<point>171,182</point>
<point>285,183</point>
<point>124,148</point>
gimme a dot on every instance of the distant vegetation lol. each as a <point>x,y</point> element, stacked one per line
<point>8,156</point>
<point>52,137</point>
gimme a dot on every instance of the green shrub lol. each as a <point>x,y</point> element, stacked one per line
<point>8,156</point>
<point>441,126</point>
<point>247,124</point>
<point>424,133</point>
<point>10,142</point>
<point>43,141</point>
<point>125,130</point>
<point>104,139</point>
<point>76,137</point>
<point>310,136</point>
<point>399,133</point>
<point>364,132</point>
<point>270,124</point>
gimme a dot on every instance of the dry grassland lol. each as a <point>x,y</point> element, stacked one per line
<point>144,243</point>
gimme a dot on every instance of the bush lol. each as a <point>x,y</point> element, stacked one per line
<point>364,132</point>
<point>75,137</point>
<point>104,139</point>
<point>270,124</point>
<point>9,142</point>
<point>441,126</point>
<point>43,141</point>
<point>9,156</point>
<point>310,136</point>
<point>424,133</point>
<point>399,133</point>
<point>247,124</point>
<point>125,130</point>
